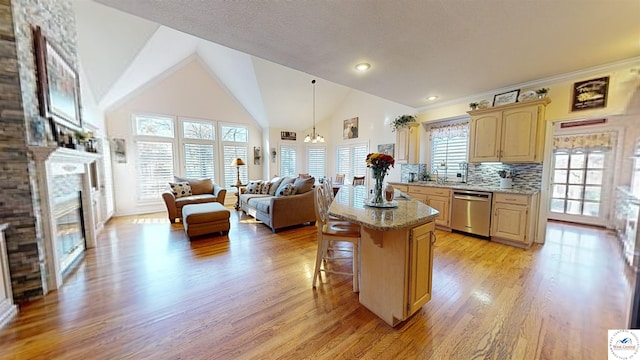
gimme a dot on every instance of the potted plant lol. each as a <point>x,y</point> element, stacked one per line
<point>542,93</point>
<point>473,105</point>
<point>403,121</point>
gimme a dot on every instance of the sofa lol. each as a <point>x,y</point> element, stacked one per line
<point>186,191</point>
<point>280,202</point>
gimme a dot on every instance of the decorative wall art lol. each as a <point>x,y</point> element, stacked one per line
<point>590,94</point>
<point>287,135</point>
<point>388,149</point>
<point>506,98</point>
<point>58,86</point>
<point>257,155</point>
<point>119,151</point>
<point>350,129</point>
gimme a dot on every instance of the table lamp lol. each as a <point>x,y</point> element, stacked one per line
<point>237,162</point>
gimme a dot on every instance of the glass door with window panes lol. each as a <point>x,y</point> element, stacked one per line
<point>580,187</point>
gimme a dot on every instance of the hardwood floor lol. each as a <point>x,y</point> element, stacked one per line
<point>146,292</point>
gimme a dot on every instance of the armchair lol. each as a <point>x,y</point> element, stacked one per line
<point>202,191</point>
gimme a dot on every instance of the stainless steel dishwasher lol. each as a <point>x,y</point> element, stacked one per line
<point>471,212</point>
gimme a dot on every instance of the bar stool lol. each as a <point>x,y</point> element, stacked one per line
<point>334,231</point>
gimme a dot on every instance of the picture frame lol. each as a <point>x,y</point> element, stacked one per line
<point>287,135</point>
<point>350,129</point>
<point>120,150</point>
<point>58,84</point>
<point>388,149</point>
<point>590,94</point>
<point>508,97</point>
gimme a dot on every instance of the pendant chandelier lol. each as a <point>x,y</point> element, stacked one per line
<point>314,137</point>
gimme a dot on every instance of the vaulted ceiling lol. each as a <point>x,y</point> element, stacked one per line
<point>265,53</point>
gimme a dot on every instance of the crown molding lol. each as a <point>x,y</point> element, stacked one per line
<point>539,83</point>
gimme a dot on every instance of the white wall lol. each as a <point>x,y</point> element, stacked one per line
<point>188,91</point>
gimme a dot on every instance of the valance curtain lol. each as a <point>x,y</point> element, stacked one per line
<point>595,141</point>
<point>448,131</point>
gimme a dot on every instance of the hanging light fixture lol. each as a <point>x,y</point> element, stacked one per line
<point>314,138</point>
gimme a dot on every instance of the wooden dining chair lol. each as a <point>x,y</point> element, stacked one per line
<point>330,232</point>
<point>339,179</point>
<point>358,180</point>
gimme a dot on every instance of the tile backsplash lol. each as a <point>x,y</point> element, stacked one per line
<point>528,176</point>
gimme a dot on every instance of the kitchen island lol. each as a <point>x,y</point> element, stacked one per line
<point>396,252</point>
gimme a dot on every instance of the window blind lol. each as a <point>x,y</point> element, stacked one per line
<point>155,168</point>
<point>231,172</point>
<point>316,161</point>
<point>288,160</point>
<point>199,160</point>
<point>351,160</point>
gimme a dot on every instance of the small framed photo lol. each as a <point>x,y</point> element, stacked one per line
<point>506,98</point>
<point>387,149</point>
<point>287,135</point>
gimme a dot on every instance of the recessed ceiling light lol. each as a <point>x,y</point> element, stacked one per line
<point>363,66</point>
<point>431,98</point>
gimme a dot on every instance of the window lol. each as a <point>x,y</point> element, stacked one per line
<point>288,161</point>
<point>199,153</point>
<point>232,152</point>
<point>577,183</point>
<point>234,139</point>
<point>316,161</point>
<point>449,148</point>
<point>157,126</point>
<point>155,168</point>
<point>351,161</point>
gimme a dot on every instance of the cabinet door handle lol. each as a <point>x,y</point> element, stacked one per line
<point>433,237</point>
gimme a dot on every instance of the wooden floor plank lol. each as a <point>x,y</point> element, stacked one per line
<point>147,292</point>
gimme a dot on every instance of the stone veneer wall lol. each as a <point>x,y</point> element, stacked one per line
<point>19,205</point>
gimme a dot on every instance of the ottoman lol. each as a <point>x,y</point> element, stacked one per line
<point>206,218</point>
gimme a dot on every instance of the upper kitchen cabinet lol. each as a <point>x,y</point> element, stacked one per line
<point>407,144</point>
<point>512,133</point>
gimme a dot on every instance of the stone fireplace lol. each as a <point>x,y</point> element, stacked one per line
<point>65,201</point>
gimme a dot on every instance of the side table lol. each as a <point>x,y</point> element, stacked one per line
<point>240,190</point>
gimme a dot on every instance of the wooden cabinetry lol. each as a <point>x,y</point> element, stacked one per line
<point>514,218</point>
<point>407,145</point>
<point>397,268</point>
<point>420,266</point>
<point>7,308</point>
<point>510,133</point>
<point>437,198</point>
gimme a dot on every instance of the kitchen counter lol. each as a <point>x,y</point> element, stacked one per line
<point>463,186</point>
<point>349,205</point>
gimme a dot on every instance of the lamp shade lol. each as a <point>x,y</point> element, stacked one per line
<point>237,162</point>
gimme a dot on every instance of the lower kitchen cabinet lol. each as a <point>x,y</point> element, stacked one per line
<point>514,218</point>
<point>437,198</point>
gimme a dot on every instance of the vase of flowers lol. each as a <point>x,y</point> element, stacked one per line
<point>379,164</point>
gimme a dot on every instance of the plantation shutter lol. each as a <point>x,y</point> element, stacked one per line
<point>359,160</point>
<point>288,161</point>
<point>231,172</point>
<point>316,160</point>
<point>155,168</point>
<point>199,161</point>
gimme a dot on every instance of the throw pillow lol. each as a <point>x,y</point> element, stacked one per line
<point>304,185</point>
<point>274,184</point>
<point>283,183</point>
<point>288,190</point>
<point>254,187</point>
<point>180,189</point>
<point>265,188</point>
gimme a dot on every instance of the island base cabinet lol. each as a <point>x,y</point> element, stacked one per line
<point>396,271</point>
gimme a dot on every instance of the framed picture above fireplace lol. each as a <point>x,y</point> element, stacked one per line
<point>58,85</point>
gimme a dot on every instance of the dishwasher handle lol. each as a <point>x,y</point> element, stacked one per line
<point>484,198</point>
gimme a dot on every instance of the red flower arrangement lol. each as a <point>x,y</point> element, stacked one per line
<point>380,164</point>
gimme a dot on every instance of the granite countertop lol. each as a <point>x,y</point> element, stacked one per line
<point>349,205</point>
<point>463,186</point>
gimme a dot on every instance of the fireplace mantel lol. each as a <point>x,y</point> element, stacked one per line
<point>50,162</point>
<point>60,154</point>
